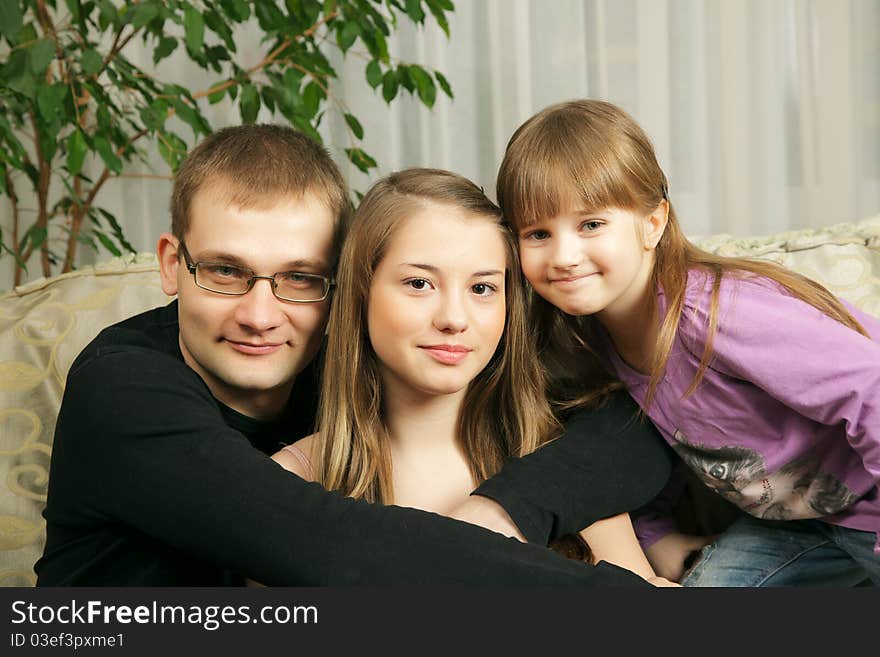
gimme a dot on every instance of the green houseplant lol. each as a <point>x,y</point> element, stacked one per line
<point>71,95</point>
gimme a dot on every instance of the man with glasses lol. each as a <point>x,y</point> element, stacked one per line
<point>160,473</point>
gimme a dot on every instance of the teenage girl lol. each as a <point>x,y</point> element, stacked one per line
<point>429,382</point>
<point>765,384</point>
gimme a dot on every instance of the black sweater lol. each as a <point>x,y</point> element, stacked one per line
<point>155,483</point>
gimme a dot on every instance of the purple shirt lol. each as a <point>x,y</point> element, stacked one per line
<point>786,421</point>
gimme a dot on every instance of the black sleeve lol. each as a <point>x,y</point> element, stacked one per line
<point>608,461</point>
<point>142,443</point>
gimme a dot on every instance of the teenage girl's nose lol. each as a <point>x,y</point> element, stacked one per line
<point>451,314</point>
<point>259,309</point>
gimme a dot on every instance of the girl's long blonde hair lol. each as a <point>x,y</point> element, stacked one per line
<point>505,410</point>
<point>594,154</point>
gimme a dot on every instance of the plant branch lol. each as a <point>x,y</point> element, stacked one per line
<point>268,59</point>
<point>42,201</point>
<point>76,219</point>
<point>16,221</point>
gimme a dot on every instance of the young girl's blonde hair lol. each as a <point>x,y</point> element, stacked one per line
<point>592,155</point>
<point>505,411</point>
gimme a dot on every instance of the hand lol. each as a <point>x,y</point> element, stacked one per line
<point>670,555</point>
<point>485,512</point>
<point>663,582</point>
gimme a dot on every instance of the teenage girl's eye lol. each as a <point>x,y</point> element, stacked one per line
<point>418,284</point>
<point>591,225</point>
<point>536,235</point>
<point>483,289</point>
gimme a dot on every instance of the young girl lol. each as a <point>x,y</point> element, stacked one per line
<point>764,383</point>
<point>430,381</point>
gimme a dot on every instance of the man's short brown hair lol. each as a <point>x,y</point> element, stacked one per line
<point>254,165</point>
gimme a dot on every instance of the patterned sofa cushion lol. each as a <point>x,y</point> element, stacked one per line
<point>44,325</point>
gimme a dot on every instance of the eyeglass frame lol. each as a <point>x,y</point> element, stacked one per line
<point>329,283</point>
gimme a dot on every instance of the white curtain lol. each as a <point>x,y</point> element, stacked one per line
<point>765,114</point>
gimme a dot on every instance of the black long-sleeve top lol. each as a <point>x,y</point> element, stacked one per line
<point>153,482</point>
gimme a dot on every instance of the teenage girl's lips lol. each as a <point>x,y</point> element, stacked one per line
<point>448,354</point>
<point>255,348</point>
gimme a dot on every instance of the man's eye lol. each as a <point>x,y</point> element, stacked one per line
<point>224,271</point>
<point>300,281</point>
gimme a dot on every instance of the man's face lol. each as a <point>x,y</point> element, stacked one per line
<point>248,349</point>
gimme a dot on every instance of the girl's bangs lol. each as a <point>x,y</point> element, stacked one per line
<point>546,182</point>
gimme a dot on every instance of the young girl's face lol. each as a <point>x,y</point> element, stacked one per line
<point>436,309</point>
<point>586,263</point>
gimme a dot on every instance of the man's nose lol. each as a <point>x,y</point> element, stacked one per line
<point>259,309</point>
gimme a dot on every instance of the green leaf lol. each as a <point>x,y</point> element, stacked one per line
<point>41,53</point>
<point>444,83</point>
<point>105,150</point>
<point>217,96</point>
<point>389,86</point>
<point>172,149</point>
<point>355,125</point>
<point>50,101</point>
<point>437,8</point>
<point>306,127</point>
<point>360,159</point>
<point>155,114</point>
<point>26,35</point>
<point>10,18</point>
<point>109,14</point>
<point>236,9</point>
<point>292,77</point>
<point>374,74</point>
<point>406,80</point>
<point>414,10</point>
<point>347,34</point>
<point>143,14</point>
<point>312,97</point>
<point>76,152</point>
<point>167,45</point>
<point>18,76</point>
<point>117,231</point>
<point>194,29</point>
<point>37,235</point>
<point>268,95</point>
<point>91,62</point>
<point>250,103</point>
<point>189,115</point>
<point>107,242</point>
<point>269,16</point>
<point>424,84</point>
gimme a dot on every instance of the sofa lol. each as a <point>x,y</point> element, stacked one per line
<point>44,324</point>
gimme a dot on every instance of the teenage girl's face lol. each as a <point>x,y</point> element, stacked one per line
<point>587,263</point>
<point>436,309</point>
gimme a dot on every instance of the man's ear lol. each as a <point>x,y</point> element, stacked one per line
<point>655,224</point>
<point>169,262</point>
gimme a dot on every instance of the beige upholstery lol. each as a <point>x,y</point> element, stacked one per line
<point>43,325</point>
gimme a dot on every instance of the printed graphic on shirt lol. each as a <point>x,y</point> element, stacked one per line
<point>797,490</point>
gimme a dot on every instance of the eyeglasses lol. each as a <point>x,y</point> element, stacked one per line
<point>223,278</point>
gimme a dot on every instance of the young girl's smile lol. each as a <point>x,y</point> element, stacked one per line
<point>589,262</point>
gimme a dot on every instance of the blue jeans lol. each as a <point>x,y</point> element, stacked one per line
<point>754,552</point>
